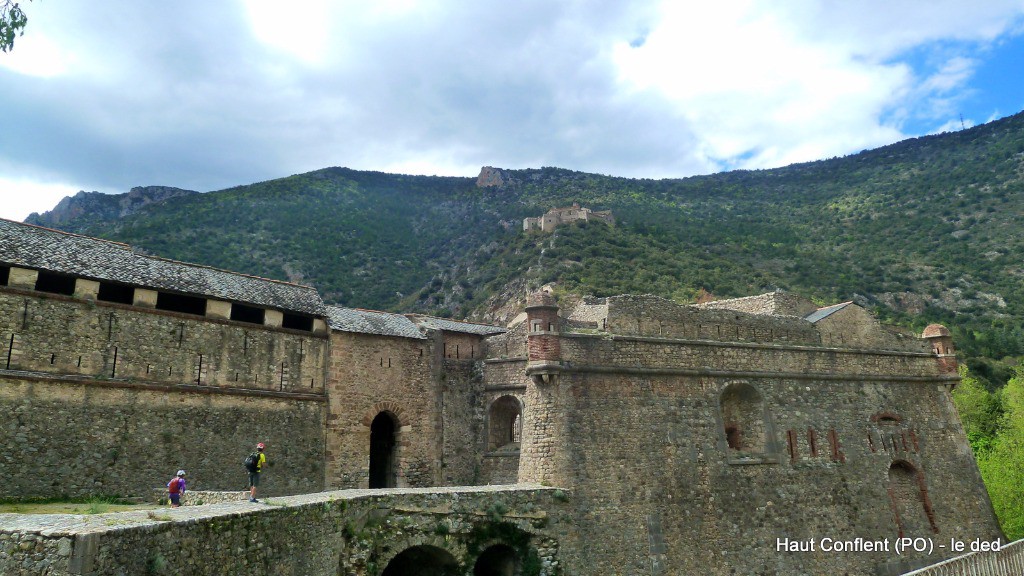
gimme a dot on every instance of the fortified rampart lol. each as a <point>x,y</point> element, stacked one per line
<point>700,454</point>
<point>694,439</point>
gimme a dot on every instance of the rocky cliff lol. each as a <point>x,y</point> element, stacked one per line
<point>100,206</point>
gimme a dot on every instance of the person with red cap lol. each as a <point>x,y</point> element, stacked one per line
<point>254,463</point>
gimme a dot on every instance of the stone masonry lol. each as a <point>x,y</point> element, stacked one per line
<point>714,439</point>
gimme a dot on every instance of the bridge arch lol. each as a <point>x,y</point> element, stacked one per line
<point>498,560</point>
<point>422,560</point>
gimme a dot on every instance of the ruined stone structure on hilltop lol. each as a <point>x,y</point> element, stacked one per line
<point>557,216</point>
<point>692,439</point>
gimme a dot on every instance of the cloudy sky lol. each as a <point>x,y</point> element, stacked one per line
<point>207,95</point>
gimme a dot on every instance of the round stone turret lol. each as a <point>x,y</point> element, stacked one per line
<point>942,346</point>
<point>543,324</point>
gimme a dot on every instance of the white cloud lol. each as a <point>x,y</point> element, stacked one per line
<point>21,197</point>
<point>208,95</point>
<point>764,84</point>
<point>301,27</point>
<point>37,55</point>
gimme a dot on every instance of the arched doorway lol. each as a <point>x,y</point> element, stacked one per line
<point>505,424</point>
<point>498,560</point>
<point>422,561</point>
<point>382,451</point>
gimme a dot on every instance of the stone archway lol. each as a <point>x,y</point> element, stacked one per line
<point>498,560</point>
<point>505,423</point>
<point>423,560</point>
<point>383,448</point>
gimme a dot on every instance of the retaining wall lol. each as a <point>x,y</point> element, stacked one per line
<point>353,532</point>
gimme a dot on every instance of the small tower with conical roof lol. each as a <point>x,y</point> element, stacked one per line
<point>942,346</point>
<point>544,347</point>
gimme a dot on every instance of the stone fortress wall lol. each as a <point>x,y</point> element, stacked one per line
<point>669,434</point>
<point>690,437</point>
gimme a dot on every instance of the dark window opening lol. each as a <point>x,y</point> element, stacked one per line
<point>55,283</point>
<point>250,314</point>
<point>744,419</point>
<point>812,441</point>
<point>180,303</point>
<point>732,436</point>
<point>382,451</point>
<point>887,419</point>
<point>791,438</point>
<point>5,275</point>
<point>297,322</point>
<point>118,293</point>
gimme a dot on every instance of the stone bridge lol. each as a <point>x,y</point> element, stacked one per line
<point>491,530</point>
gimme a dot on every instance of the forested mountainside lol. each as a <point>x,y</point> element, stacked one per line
<point>925,230</point>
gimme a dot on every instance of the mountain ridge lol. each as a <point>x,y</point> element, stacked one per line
<point>920,230</point>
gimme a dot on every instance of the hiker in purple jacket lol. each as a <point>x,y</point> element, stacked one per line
<point>176,488</point>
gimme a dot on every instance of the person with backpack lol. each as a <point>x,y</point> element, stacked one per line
<point>176,488</point>
<point>254,464</point>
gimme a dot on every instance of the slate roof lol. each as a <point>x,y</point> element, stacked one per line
<point>822,313</point>
<point>372,322</point>
<point>28,246</point>
<point>453,326</point>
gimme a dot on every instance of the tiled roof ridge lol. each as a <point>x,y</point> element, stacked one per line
<point>131,249</point>
<point>367,310</point>
<point>449,319</point>
<point>836,304</point>
<point>66,233</point>
<point>232,272</point>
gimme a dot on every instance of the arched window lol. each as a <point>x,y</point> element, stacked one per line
<point>505,424</point>
<point>743,418</point>
<point>911,506</point>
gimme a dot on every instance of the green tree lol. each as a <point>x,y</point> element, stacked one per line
<point>1002,467</point>
<point>980,410</point>
<point>12,23</point>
